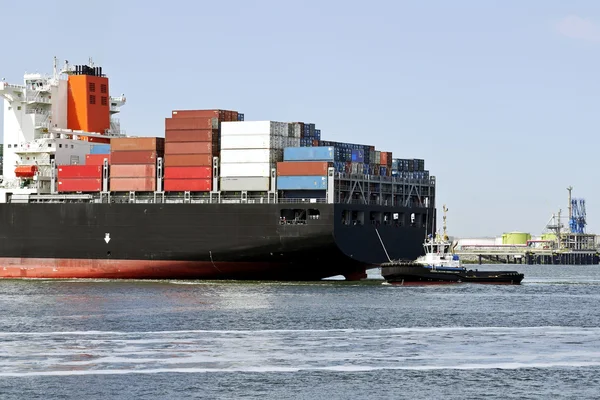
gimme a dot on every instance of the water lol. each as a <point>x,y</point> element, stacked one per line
<point>181,339</point>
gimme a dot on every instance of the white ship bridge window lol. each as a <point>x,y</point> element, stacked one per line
<point>9,146</point>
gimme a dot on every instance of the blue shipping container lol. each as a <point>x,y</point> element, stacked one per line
<point>308,154</point>
<point>301,182</point>
<point>100,149</point>
<point>358,156</point>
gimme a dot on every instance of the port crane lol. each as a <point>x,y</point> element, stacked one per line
<point>577,216</point>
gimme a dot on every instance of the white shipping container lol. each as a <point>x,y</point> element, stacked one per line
<point>251,142</point>
<point>245,128</point>
<point>251,155</point>
<point>246,169</point>
<point>236,184</point>
<point>271,128</point>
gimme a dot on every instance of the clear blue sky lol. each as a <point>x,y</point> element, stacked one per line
<point>501,99</point>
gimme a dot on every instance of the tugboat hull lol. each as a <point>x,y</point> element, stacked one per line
<point>421,275</point>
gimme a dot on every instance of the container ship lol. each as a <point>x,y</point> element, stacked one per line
<point>218,197</point>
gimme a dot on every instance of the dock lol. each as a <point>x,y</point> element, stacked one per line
<point>559,245</point>
<point>523,254</point>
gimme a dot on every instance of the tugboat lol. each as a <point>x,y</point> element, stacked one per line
<point>441,265</point>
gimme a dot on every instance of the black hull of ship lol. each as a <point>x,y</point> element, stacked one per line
<point>418,275</point>
<point>197,241</point>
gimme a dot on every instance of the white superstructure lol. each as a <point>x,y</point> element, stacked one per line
<point>36,128</point>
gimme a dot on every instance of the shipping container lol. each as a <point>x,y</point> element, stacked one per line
<point>132,171</point>
<point>199,114</point>
<point>187,185</point>
<point>251,155</point>
<point>263,141</point>
<point>138,144</point>
<point>191,123</point>
<point>134,157</point>
<point>303,168</point>
<point>79,171</point>
<point>247,169</point>
<point>358,155</point>
<point>383,158</point>
<point>79,185</point>
<point>241,128</point>
<point>100,149</point>
<point>189,148</point>
<point>236,184</point>
<point>192,135</point>
<point>301,182</point>
<point>96,159</point>
<point>309,154</point>
<point>176,173</point>
<point>188,160</point>
<point>132,184</point>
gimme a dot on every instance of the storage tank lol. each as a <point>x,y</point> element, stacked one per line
<point>515,238</point>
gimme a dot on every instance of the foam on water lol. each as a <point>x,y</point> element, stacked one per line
<point>218,351</point>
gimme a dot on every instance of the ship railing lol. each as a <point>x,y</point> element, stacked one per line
<point>37,111</point>
<point>37,99</point>
<point>302,201</point>
<point>385,179</point>
<point>13,86</point>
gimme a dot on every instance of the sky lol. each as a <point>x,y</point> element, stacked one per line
<point>500,98</point>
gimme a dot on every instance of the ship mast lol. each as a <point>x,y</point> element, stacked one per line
<point>445,233</point>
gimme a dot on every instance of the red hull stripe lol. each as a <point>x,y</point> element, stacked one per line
<point>63,268</point>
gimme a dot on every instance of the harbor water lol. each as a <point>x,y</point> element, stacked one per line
<point>323,340</point>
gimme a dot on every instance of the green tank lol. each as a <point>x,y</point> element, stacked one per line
<point>515,238</point>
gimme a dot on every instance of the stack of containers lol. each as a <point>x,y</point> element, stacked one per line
<point>192,139</point>
<point>133,163</point>
<point>98,153</point>
<point>385,168</point>
<point>79,178</point>
<point>249,150</point>
<point>309,134</point>
<point>305,169</point>
<point>409,168</point>
<point>350,157</point>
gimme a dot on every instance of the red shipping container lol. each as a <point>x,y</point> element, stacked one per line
<point>132,171</point>
<point>188,185</point>
<point>301,168</point>
<point>191,135</point>
<point>220,114</point>
<point>137,144</point>
<point>383,158</point>
<point>191,123</point>
<point>189,148</point>
<point>79,171</point>
<point>315,142</point>
<point>132,184</point>
<point>96,159</point>
<point>188,173</point>
<point>188,160</point>
<point>79,185</point>
<point>133,157</point>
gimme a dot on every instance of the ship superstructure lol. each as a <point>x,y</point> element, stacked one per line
<point>54,119</point>
<point>218,197</point>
